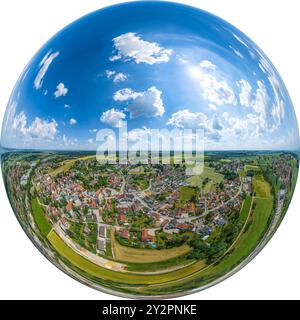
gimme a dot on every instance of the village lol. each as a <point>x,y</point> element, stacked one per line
<point>141,203</point>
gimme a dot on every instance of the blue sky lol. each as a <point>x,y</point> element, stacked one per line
<point>154,65</point>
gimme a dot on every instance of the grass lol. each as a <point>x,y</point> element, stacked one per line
<point>247,242</point>
<point>244,245</point>
<point>67,164</point>
<point>245,209</point>
<point>97,271</point>
<point>242,174</point>
<point>249,167</point>
<point>209,187</point>
<point>186,193</point>
<point>261,187</point>
<point>137,170</point>
<point>158,266</point>
<point>39,217</point>
<point>210,173</point>
<point>143,184</point>
<point>137,255</point>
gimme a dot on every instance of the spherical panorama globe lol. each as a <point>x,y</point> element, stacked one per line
<point>150,149</point>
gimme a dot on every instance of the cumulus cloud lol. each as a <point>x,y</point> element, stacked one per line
<point>90,141</point>
<point>38,129</point>
<point>245,92</point>
<point>113,117</point>
<point>216,91</point>
<point>44,65</point>
<point>131,46</point>
<point>64,141</point>
<point>120,77</point>
<point>270,113</point>
<point>61,90</point>
<point>72,121</point>
<point>142,104</point>
<point>187,119</point>
<point>216,123</point>
<point>116,77</point>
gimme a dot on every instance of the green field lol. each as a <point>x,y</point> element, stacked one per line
<point>261,187</point>
<point>127,278</point>
<point>210,173</point>
<point>242,247</point>
<point>139,255</point>
<point>246,243</point>
<point>67,164</point>
<point>249,167</point>
<point>186,194</point>
<point>39,217</point>
<point>245,209</point>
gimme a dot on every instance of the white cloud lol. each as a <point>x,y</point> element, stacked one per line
<point>212,107</point>
<point>125,94</point>
<point>142,104</point>
<point>245,94</point>
<point>216,123</point>
<point>187,119</point>
<point>44,65</point>
<point>67,106</point>
<point>116,77</point>
<point>131,47</point>
<point>214,90</point>
<point>239,39</point>
<point>110,73</point>
<point>90,141</point>
<point>182,59</point>
<point>66,142</point>
<point>206,64</point>
<point>120,77</point>
<point>260,102</point>
<point>113,117</point>
<point>93,130</point>
<point>38,129</point>
<point>270,114</point>
<point>237,52</point>
<point>72,121</point>
<point>61,90</point>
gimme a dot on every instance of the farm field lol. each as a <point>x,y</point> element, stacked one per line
<point>245,209</point>
<point>243,246</point>
<point>173,238</point>
<point>67,164</point>
<point>249,167</point>
<point>196,181</point>
<point>186,194</point>
<point>127,278</point>
<point>261,187</point>
<point>39,218</point>
<point>129,254</point>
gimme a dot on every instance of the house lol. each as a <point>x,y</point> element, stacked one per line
<point>122,218</point>
<point>146,236</point>
<point>69,206</point>
<point>183,226</point>
<point>124,233</point>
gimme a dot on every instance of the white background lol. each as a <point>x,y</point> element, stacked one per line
<point>26,25</point>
